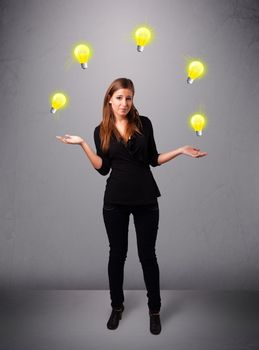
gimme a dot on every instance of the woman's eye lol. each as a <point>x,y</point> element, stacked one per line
<point>120,98</point>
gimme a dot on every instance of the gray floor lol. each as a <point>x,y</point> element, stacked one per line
<point>53,320</point>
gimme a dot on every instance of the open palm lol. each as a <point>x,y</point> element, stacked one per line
<point>70,139</point>
<point>193,152</point>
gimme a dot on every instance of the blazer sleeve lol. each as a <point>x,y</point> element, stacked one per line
<point>152,150</point>
<point>106,166</point>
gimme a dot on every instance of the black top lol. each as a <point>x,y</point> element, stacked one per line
<point>131,181</point>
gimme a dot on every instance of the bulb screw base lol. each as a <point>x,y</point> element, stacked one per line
<point>140,48</point>
<point>53,110</point>
<point>199,133</point>
<point>190,80</point>
<point>84,65</point>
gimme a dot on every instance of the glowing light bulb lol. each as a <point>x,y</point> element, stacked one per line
<point>58,101</point>
<point>195,70</point>
<point>82,54</point>
<point>142,37</point>
<point>198,122</point>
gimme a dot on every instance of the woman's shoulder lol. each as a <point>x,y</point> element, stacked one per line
<point>97,129</point>
<point>145,121</point>
<point>97,133</point>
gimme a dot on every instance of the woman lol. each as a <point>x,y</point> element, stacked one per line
<point>125,143</point>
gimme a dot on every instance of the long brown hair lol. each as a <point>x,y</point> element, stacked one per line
<point>107,126</point>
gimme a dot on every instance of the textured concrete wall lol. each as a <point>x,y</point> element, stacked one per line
<point>51,229</point>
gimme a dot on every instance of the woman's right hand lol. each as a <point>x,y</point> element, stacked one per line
<point>70,139</point>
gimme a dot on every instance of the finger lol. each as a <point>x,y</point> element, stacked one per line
<point>203,154</point>
<point>61,138</point>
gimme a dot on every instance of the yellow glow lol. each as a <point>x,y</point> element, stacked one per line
<point>198,123</point>
<point>195,69</point>
<point>82,53</point>
<point>58,100</point>
<point>142,35</point>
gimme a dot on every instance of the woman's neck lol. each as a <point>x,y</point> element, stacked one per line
<point>121,120</point>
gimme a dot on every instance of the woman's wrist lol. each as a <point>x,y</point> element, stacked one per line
<point>180,150</point>
<point>82,143</point>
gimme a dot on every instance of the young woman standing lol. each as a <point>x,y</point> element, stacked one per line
<point>125,145</point>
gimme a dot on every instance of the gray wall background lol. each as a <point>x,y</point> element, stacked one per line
<point>52,233</point>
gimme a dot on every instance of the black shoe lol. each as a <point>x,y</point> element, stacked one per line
<point>155,324</point>
<point>115,318</point>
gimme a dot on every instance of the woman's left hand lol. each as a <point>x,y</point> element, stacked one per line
<point>192,152</point>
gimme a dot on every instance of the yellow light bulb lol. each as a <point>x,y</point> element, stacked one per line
<point>195,70</point>
<point>142,37</point>
<point>198,122</point>
<point>58,101</point>
<point>82,53</point>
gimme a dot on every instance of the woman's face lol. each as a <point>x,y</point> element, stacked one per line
<point>121,102</point>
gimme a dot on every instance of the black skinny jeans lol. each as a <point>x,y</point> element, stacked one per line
<point>116,220</point>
